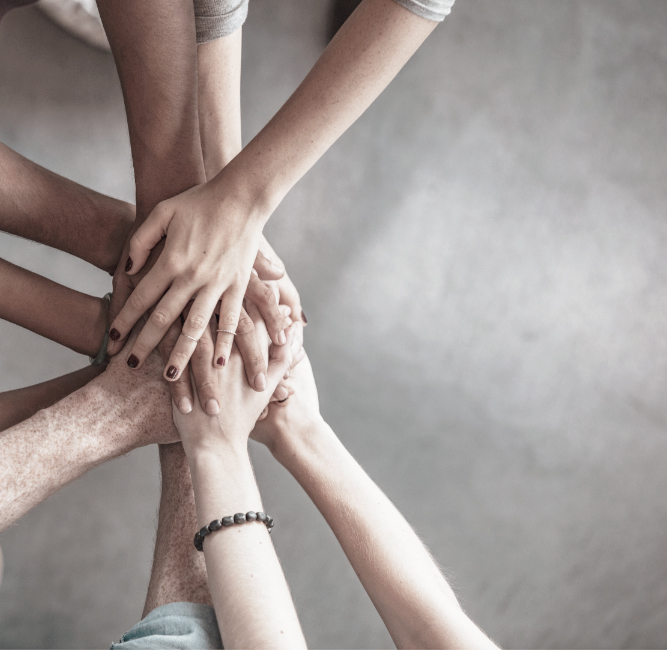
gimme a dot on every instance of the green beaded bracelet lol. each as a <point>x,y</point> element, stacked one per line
<point>98,360</point>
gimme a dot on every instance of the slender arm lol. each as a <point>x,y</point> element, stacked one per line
<point>41,206</point>
<point>360,61</point>
<point>408,590</point>
<point>249,591</point>
<point>69,317</point>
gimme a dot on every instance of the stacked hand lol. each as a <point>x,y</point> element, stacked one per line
<point>149,266</point>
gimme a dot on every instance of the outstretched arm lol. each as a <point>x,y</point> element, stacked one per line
<point>250,595</point>
<point>20,404</point>
<point>71,318</point>
<point>39,205</point>
<point>359,62</point>
<point>408,590</point>
<point>110,416</point>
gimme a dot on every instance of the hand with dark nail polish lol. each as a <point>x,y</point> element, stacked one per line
<point>172,372</point>
<point>114,334</point>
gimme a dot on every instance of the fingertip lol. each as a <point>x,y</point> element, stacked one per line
<point>260,382</point>
<point>212,407</point>
<point>171,373</point>
<point>184,405</point>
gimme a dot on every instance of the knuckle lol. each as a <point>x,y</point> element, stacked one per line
<point>179,358</point>
<point>245,326</point>
<point>229,321</point>
<point>160,318</point>
<point>197,321</point>
<point>137,302</point>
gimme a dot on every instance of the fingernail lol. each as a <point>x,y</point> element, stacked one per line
<point>132,361</point>
<point>128,265</point>
<point>221,361</point>
<point>303,317</point>
<point>172,372</point>
<point>260,381</point>
<point>281,393</point>
<point>281,337</point>
<point>184,405</point>
<point>212,407</point>
<point>114,334</point>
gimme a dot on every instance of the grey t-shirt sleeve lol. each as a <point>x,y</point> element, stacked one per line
<point>429,9</point>
<point>218,18</point>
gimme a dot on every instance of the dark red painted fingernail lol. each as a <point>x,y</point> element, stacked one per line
<point>303,317</point>
<point>132,361</point>
<point>221,361</point>
<point>172,372</point>
<point>114,334</point>
<point>128,265</point>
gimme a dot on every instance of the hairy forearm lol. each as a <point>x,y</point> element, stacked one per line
<point>54,447</point>
<point>39,205</point>
<point>69,317</point>
<point>248,588</point>
<point>113,414</point>
<point>361,60</point>
<point>407,588</point>
<point>20,404</point>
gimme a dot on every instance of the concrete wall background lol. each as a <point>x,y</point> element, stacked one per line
<point>481,258</point>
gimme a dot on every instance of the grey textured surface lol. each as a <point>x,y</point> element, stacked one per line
<point>481,258</point>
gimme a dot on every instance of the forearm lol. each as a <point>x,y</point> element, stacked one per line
<point>113,414</point>
<point>54,447</point>
<point>248,588</point>
<point>407,588</point>
<point>20,404</point>
<point>361,60</point>
<point>219,90</point>
<point>69,317</point>
<point>153,44</point>
<point>41,206</point>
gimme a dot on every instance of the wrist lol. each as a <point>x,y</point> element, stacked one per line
<point>296,443</point>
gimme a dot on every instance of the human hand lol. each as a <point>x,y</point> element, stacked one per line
<point>240,405</point>
<point>138,403</point>
<point>212,237</point>
<point>268,260</point>
<point>259,291</point>
<point>285,423</point>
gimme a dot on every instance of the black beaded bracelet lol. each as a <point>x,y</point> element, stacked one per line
<point>238,518</point>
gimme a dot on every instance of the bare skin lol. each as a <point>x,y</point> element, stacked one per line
<point>20,404</point>
<point>406,586</point>
<point>248,588</point>
<point>71,318</point>
<point>360,61</point>
<point>179,570</point>
<point>44,207</point>
<point>113,414</point>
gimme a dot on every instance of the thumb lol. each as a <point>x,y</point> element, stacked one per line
<point>280,358</point>
<point>147,236</point>
<point>266,269</point>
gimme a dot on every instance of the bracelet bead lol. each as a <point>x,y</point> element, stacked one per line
<point>238,518</point>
